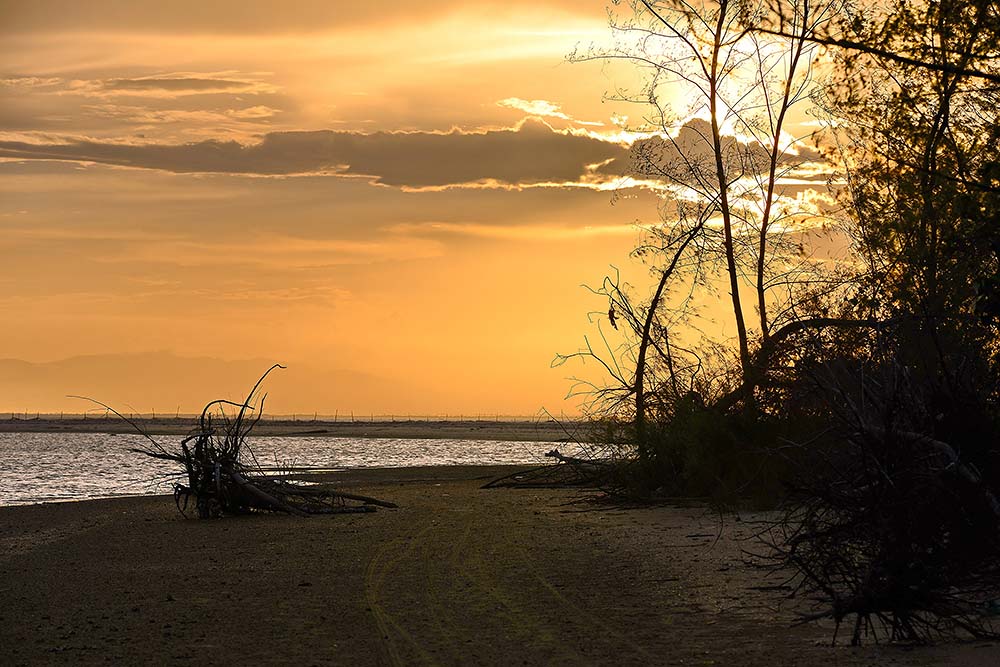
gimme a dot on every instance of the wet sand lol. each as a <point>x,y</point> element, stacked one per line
<point>456,575</point>
<point>523,431</point>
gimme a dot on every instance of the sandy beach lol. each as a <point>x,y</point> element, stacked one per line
<point>456,575</point>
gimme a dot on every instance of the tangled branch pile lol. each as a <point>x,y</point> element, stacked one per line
<point>888,527</point>
<point>225,478</point>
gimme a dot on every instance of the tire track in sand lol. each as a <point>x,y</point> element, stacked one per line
<point>459,578</point>
<point>391,632</point>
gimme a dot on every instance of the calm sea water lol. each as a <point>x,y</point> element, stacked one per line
<point>44,467</point>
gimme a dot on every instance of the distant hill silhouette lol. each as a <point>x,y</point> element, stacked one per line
<point>166,382</point>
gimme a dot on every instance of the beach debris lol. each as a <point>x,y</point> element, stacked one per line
<point>223,476</point>
<point>891,534</point>
<point>566,471</point>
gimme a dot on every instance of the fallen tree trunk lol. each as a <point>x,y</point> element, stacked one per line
<point>569,471</point>
<point>265,500</point>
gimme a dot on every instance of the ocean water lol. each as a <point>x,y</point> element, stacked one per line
<point>46,467</point>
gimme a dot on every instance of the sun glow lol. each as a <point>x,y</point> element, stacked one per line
<point>376,193</point>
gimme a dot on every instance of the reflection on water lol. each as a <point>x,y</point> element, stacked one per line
<point>40,467</point>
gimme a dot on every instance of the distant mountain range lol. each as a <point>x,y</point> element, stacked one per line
<point>165,382</point>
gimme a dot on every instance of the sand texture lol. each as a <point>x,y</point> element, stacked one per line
<point>456,575</point>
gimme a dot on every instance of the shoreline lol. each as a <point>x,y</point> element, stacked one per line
<point>525,431</point>
<point>372,475</point>
<point>455,575</point>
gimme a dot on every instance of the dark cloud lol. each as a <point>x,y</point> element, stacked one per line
<point>689,157</point>
<point>531,153</point>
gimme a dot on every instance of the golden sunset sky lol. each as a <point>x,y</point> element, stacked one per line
<point>395,200</point>
<point>398,201</point>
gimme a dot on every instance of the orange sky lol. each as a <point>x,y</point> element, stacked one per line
<point>399,203</point>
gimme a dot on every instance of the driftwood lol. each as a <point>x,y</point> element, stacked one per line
<point>222,473</point>
<point>568,471</point>
<point>573,460</point>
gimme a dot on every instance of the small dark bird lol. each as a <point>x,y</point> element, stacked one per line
<point>611,316</point>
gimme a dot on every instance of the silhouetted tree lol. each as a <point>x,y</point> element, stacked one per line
<point>921,154</point>
<point>886,369</point>
<point>719,97</point>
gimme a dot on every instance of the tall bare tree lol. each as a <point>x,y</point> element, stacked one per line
<point>718,98</point>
